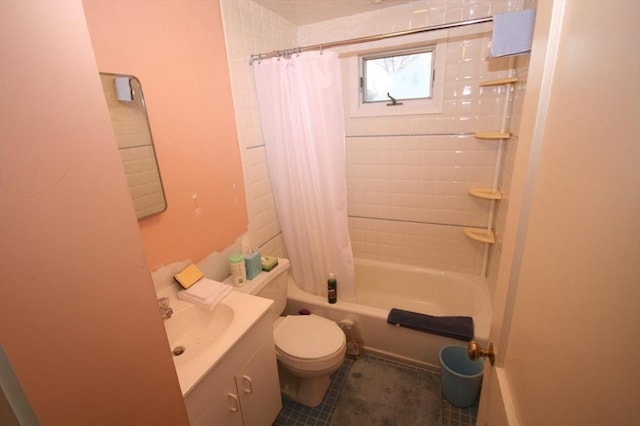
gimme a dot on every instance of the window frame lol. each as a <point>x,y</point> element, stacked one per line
<point>390,54</point>
<point>354,104</point>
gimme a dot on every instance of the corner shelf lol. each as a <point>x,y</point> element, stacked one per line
<point>499,82</point>
<point>485,193</point>
<point>480,234</point>
<point>492,135</point>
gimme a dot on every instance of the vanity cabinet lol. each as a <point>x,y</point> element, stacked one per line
<point>243,388</point>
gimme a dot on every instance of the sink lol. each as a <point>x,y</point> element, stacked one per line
<point>206,336</point>
<point>192,327</point>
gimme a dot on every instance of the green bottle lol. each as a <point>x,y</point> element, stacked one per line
<point>332,288</point>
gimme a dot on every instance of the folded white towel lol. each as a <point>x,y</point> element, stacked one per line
<point>512,32</point>
<point>205,293</point>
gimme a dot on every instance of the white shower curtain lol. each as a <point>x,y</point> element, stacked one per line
<point>301,110</point>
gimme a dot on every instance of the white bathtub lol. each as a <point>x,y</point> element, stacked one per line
<point>381,286</point>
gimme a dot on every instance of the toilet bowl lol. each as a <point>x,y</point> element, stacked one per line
<point>309,348</point>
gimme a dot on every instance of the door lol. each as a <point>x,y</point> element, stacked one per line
<point>567,303</point>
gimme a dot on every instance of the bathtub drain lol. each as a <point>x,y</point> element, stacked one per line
<point>178,350</point>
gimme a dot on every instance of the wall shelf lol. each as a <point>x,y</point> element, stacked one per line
<point>485,193</point>
<point>492,135</point>
<point>499,82</point>
<point>480,234</point>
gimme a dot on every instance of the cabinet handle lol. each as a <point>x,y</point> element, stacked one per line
<point>234,406</point>
<point>248,388</point>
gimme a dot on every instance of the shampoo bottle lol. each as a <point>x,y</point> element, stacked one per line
<point>332,288</point>
<point>238,269</point>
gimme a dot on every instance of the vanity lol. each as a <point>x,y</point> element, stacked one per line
<point>226,365</point>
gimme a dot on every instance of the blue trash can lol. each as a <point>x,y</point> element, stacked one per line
<point>460,376</point>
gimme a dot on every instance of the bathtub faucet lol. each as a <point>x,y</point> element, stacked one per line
<point>165,309</point>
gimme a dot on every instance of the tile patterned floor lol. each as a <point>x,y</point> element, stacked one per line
<point>294,414</point>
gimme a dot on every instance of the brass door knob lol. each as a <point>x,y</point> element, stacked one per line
<point>475,351</point>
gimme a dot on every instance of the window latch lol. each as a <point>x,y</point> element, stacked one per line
<point>393,102</point>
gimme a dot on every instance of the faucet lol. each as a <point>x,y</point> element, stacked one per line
<point>165,309</point>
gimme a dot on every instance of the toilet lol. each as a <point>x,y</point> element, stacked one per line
<point>309,348</point>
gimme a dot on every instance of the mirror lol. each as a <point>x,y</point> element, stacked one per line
<point>133,133</point>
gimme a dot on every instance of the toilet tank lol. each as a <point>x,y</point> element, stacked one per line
<point>271,285</point>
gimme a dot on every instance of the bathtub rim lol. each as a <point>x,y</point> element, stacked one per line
<point>481,319</point>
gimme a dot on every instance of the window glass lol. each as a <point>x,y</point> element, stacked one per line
<point>410,69</point>
<point>401,75</point>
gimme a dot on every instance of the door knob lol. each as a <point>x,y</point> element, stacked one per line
<point>476,351</point>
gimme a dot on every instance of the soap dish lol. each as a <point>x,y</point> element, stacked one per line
<point>269,262</point>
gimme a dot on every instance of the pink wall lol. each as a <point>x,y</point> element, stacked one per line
<point>176,48</point>
<point>78,313</point>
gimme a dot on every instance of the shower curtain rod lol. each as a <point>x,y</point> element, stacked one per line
<point>289,52</point>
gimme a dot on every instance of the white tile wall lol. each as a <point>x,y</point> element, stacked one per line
<point>521,67</point>
<point>419,178</point>
<point>249,28</point>
<point>407,193</point>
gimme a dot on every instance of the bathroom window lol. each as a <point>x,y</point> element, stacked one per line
<point>391,77</point>
<point>397,77</point>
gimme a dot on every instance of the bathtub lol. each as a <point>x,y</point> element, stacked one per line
<point>381,286</point>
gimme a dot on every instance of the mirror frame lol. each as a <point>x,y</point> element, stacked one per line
<point>140,166</point>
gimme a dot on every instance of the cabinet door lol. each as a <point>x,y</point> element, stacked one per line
<point>259,387</point>
<point>223,406</point>
<point>215,401</point>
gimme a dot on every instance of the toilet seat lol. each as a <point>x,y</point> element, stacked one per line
<point>309,342</point>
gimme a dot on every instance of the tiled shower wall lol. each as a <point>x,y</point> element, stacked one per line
<point>250,28</point>
<point>521,66</point>
<point>407,176</point>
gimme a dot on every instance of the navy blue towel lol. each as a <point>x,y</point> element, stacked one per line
<point>456,327</point>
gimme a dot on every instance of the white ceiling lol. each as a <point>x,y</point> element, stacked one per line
<point>302,12</point>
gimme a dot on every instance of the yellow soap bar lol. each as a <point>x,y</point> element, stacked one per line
<point>268,263</point>
<point>189,276</point>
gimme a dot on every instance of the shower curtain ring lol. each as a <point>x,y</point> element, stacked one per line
<point>255,58</point>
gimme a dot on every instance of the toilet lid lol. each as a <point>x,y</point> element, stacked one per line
<point>308,336</point>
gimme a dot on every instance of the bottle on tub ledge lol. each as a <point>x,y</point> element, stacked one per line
<point>332,288</point>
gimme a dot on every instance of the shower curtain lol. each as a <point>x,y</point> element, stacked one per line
<point>301,110</point>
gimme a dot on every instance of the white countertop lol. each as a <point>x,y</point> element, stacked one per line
<point>199,359</point>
